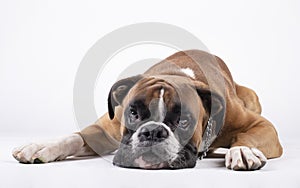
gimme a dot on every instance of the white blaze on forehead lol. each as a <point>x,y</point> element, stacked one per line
<point>189,72</point>
<point>161,105</point>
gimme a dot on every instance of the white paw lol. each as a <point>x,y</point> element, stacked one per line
<point>47,152</point>
<point>38,153</point>
<point>244,158</point>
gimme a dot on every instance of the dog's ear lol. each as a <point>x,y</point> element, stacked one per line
<point>118,92</point>
<point>212,102</point>
<point>215,106</point>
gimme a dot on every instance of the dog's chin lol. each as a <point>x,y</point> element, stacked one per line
<point>127,158</point>
<point>146,160</point>
<point>140,162</point>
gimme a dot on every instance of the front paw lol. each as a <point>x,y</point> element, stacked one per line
<point>38,153</point>
<point>244,158</point>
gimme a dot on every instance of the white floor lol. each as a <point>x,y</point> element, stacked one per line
<point>99,172</point>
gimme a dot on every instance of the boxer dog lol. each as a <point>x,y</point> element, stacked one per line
<point>179,110</point>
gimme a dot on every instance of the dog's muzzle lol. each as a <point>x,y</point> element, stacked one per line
<point>152,134</point>
<point>152,146</point>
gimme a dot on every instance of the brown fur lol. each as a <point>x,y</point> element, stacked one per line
<point>243,126</point>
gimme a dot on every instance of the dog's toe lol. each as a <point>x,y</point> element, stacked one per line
<point>24,154</point>
<point>244,158</point>
<point>49,153</point>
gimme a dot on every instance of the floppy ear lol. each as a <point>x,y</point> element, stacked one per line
<point>118,92</point>
<point>214,104</point>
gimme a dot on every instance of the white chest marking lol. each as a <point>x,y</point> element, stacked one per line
<point>189,72</point>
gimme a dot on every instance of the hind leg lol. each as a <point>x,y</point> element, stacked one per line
<point>249,98</point>
<point>257,139</point>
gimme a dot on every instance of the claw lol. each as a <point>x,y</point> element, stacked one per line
<point>37,161</point>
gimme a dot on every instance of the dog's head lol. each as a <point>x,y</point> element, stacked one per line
<point>163,120</point>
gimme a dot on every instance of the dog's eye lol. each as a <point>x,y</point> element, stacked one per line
<point>133,112</point>
<point>183,123</point>
<point>133,115</point>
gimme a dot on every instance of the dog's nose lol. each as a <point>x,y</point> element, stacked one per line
<point>156,133</point>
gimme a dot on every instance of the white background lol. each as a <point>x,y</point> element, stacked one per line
<point>43,42</point>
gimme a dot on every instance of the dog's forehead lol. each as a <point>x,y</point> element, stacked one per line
<point>176,91</point>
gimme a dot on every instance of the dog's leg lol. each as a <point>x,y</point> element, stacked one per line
<point>72,145</point>
<point>100,138</point>
<point>103,137</point>
<point>249,98</point>
<point>251,148</point>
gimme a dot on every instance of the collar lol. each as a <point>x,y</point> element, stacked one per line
<point>208,137</point>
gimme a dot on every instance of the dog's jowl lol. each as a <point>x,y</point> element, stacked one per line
<point>178,111</point>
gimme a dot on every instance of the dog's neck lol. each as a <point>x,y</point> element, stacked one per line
<point>208,137</point>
